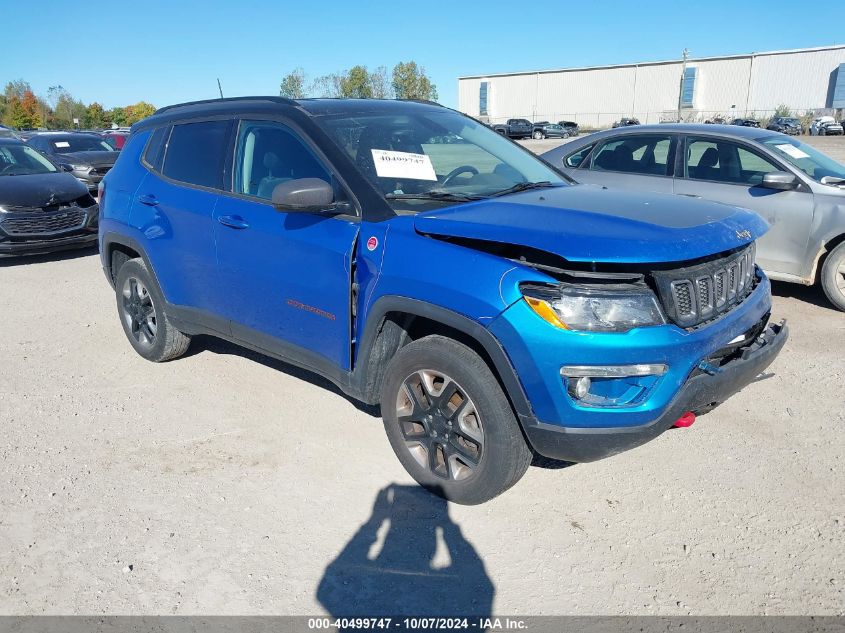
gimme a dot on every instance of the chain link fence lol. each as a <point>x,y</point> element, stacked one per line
<point>591,121</point>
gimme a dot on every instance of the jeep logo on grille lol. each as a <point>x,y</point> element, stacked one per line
<point>745,234</point>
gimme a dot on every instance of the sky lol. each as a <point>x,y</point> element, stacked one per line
<point>167,52</point>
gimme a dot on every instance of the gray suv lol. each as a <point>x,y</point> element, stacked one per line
<point>798,190</point>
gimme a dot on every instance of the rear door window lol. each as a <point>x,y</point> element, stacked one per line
<point>649,155</point>
<point>196,153</point>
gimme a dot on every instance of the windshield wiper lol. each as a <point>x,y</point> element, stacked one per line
<point>523,186</point>
<point>446,196</point>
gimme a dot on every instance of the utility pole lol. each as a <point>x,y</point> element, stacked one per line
<point>681,85</point>
<point>219,87</point>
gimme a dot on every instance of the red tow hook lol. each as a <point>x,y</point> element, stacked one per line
<point>685,420</point>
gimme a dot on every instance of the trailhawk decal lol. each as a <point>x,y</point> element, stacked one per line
<point>302,306</point>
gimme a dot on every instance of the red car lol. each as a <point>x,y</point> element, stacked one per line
<point>117,139</point>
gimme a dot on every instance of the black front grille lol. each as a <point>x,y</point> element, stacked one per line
<point>43,224</point>
<point>696,294</point>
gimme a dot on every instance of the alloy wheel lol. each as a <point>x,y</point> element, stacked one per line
<point>440,425</point>
<point>139,311</point>
<point>840,276</point>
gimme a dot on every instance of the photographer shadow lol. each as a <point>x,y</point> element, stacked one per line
<point>408,559</point>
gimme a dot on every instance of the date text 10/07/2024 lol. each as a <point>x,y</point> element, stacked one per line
<point>421,623</point>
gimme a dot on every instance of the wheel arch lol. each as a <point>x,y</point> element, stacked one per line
<point>827,245</point>
<point>116,250</point>
<point>396,321</point>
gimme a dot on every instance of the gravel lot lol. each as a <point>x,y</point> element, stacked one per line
<point>227,483</point>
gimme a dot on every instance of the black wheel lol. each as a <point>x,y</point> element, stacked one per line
<point>140,305</point>
<point>833,276</point>
<point>450,423</point>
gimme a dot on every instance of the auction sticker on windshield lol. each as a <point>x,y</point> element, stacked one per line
<point>791,150</point>
<point>390,164</point>
<point>62,144</point>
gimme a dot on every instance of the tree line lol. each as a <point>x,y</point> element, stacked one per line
<point>407,80</point>
<point>21,108</point>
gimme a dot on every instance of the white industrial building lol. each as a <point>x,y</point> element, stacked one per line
<point>731,86</point>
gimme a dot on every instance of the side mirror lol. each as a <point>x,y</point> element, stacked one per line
<point>833,180</point>
<point>305,195</point>
<point>780,180</point>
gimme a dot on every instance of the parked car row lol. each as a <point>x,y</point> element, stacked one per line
<point>796,188</point>
<point>523,128</point>
<point>87,156</point>
<point>825,125</point>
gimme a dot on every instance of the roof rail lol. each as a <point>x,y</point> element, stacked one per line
<point>427,101</point>
<point>279,100</point>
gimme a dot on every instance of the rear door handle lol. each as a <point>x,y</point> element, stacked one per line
<point>233,221</point>
<point>148,199</point>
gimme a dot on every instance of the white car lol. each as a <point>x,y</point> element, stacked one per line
<point>825,125</point>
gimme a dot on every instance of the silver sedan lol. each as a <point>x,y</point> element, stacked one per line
<point>798,190</point>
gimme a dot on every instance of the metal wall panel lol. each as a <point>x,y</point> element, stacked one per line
<point>729,86</point>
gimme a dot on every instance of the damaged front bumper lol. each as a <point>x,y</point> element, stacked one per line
<point>703,391</point>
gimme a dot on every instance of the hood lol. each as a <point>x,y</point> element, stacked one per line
<point>89,158</point>
<point>588,223</point>
<point>39,190</point>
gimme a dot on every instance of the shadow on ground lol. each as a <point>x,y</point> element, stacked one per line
<point>810,294</point>
<point>409,558</point>
<point>58,256</point>
<point>214,345</point>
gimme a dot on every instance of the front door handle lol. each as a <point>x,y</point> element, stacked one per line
<point>233,221</point>
<point>148,199</point>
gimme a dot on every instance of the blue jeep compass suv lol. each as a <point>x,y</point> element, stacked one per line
<point>423,262</point>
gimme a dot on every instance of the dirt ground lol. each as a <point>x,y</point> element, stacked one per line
<point>227,483</point>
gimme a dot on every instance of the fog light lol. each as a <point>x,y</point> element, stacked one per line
<point>580,387</point>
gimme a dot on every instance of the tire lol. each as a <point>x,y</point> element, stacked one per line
<point>833,276</point>
<point>140,306</point>
<point>467,453</point>
<point>538,135</point>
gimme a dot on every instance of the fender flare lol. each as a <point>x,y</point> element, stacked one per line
<point>111,238</point>
<point>472,329</point>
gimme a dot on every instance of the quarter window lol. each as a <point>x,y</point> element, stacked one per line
<point>269,154</point>
<point>155,148</point>
<point>725,161</point>
<point>575,160</point>
<point>196,152</point>
<point>647,154</point>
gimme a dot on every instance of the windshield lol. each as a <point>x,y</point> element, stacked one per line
<point>79,143</point>
<point>426,157</point>
<point>21,160</point>
<point>806,158</point>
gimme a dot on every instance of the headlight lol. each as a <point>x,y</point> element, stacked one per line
<point>595,308</point>
<point>80,167</point>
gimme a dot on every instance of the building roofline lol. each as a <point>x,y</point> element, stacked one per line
<point>655,63</point>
